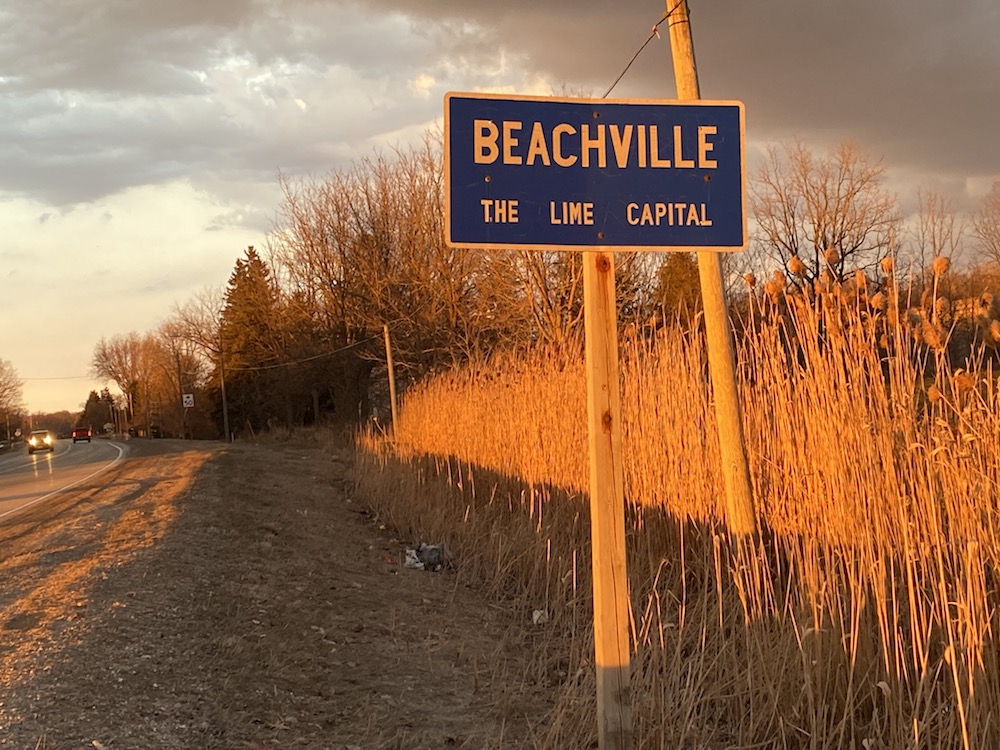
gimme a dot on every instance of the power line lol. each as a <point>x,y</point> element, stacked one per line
<point>301,361</point>
<point>64,377</point>
<point>654,33</point>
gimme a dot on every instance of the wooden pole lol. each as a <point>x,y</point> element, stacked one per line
<point>392,376</point>
<point>607,503</point>
<point>222,385</point>
<point>740,514</point>
<point>180,390</point>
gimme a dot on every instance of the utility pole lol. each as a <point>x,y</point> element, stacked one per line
<point>392,377</point>
<point>741,518</point>
<point>222,383</point>
<point>149,416</point>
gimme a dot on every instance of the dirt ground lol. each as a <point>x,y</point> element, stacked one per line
<point>210,596</point>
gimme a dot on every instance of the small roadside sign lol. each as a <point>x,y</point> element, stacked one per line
<point>556,173</point>
<point>188,400</point>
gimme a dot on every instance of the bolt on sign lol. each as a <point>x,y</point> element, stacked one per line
<point>571,174</point>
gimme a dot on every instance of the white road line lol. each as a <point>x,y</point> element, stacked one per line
<point>70,486</point>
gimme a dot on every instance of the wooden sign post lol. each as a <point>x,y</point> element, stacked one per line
<point>607,503</point>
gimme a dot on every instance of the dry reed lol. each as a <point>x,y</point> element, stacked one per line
<point>865,613</point>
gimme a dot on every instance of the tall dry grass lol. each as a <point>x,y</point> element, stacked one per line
<point>863,616</point>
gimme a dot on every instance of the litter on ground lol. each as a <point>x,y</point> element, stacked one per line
<point>430,557</point>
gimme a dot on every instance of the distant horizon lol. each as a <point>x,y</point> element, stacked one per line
<point>39,395</point>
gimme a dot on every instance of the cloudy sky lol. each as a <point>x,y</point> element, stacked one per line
<point>140,141</point>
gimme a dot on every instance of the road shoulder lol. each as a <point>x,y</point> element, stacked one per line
<point>238,597</point>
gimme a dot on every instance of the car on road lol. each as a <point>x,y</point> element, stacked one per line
<point>81,433</point>
<point>41,440</point>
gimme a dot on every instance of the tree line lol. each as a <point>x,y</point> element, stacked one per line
<point>295,335</point>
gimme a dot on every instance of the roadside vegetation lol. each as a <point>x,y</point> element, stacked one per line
<point>862,615</point>
<point>295,336</point>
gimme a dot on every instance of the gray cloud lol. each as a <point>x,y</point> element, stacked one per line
<point>99,96</point>
<point>914,81</point>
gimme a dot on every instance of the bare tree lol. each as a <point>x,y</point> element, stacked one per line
<point>10,387</point>
<point>828,214</point>
<point>937,233</point>
<point>553,293</point>
<point>986,224</point>
<point>120,359</point>
<point>197,321</point>
<point>365,247</point>
<point>11,393</point>
<point>195,333</point>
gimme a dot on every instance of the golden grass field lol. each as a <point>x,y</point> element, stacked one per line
<point>864,613</point>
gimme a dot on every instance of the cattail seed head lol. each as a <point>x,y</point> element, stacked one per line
<point>833,327</point>
<point>750,280</point>
<point>886,264</point>
<point>831,256</point>
<point>941,265</point>
<point>800,302</point>
<point>963,382</point>
<point>934,394</point>
<point>877,301</point>
<point>860,279</point>
<point>931,335</point>
<point>985,303</point>
<point>796,266</point>
<point>995,331</point>
<point>942,308</point>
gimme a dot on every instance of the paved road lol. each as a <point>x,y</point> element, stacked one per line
<point>26,480</point>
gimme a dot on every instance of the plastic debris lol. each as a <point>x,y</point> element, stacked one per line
<point>540,616</point>
<point>430,557</point>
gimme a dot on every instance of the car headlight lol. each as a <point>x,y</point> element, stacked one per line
<point>48,440</point>
<point>32,441</point>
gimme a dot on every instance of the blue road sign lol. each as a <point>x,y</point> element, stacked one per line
<point>543,173</point>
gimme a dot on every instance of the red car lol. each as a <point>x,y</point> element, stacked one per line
<point>81,433</point>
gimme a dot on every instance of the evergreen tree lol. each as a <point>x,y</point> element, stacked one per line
<point>251,339</point>
<point>95,413</point>
<point>678,289</point>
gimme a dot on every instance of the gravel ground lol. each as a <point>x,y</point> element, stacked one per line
<point>209,596</point>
